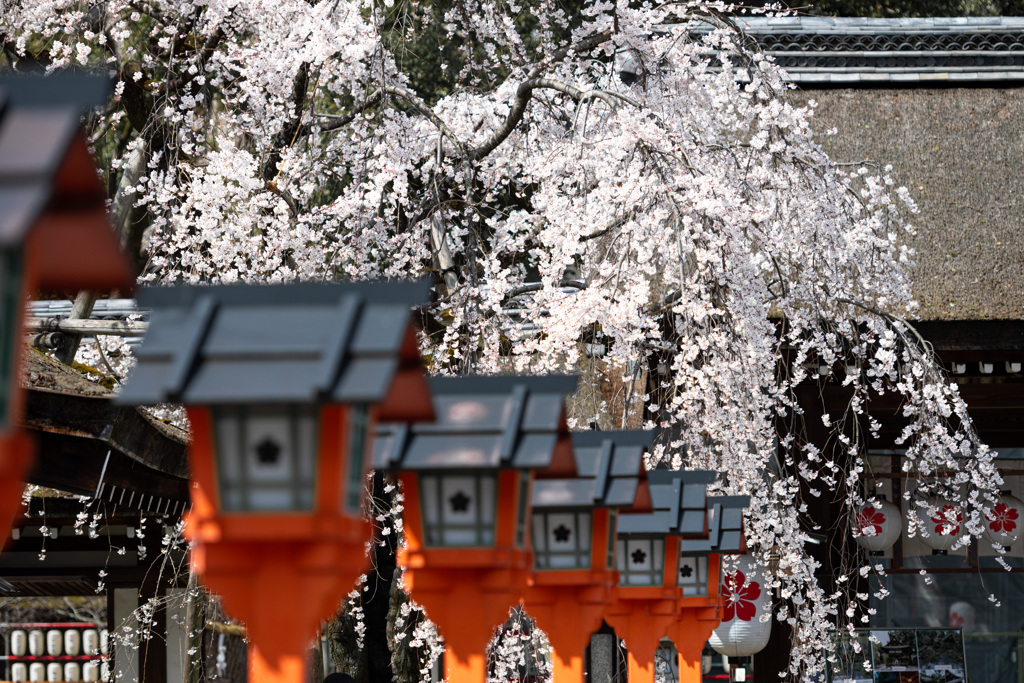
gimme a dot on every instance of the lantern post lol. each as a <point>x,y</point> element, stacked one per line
<point>573,538</point>
<point>466,482</point>
<point>54,233</point>
<point>666,586</point>
<point>283,386</point>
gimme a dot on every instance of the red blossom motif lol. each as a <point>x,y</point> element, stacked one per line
<point>868,522</point>
<point>739,597</point>
<point>955,620</point>
<point>1002,518</point>
<point>944,521</point>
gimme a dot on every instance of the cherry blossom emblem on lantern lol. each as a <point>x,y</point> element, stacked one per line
<point>1002,519</point>
<point>868,522</point>
<point>946,524</point>
<point>739,597</point>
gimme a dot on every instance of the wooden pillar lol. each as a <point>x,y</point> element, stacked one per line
<point>642,624</point>
<point>467,605</point>
<point>569,615</point>
<point>691,633</point>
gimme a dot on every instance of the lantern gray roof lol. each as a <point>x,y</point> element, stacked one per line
<point>275,343</point>
<point>705,524</point>
<point>39,119</point>
<point>482,423</point>
<point>609,465</point>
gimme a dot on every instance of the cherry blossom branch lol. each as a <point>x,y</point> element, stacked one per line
<point>416,103</point>
<point>524,94</point>
<point>537,286</point>
<point>338,122</point>
<point>617,222</point>
<point>202,57</point>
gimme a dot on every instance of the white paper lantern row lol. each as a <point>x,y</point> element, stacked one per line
<point>70,642</point>
<point>55,642</point>
<point>877,527</point>
<point>742,632</point>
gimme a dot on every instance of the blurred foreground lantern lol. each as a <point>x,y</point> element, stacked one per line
<point>662,556</point>
<point>876,526</point>
<point>1002,522</point>
<point>573,538</point>
<point>743,632</point>
<point>466,481</point>
<point>54,232</point>
<point>283,385</point>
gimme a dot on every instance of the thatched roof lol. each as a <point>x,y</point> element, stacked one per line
<point>960,151</point>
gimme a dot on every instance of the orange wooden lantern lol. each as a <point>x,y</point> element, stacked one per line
<point>54,232</point>
<point>283,387</point>
<point>466,481</point>
<point>668,570</point>
<point>573,540</point>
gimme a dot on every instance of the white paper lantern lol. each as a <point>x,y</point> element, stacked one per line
<point>54,643</point>
<point>742,632</point>
<point>1002,522</point>
<point>54,673</point>
<point>37,672</point>
<point>91,642</point>
<point>944,523</point>
<point>72,672</point>
<point>19,643</point>
<point>19,672</point>
<point>962,615</point>
<point>91,672</point>
<point>877,527</point>
<point>72,642</point>
<point>36,643</point>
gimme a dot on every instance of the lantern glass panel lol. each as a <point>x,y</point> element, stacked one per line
<point>692,576</point>
<point>641,561</point>
<point>459,509</point>
<point>561,540</point>
<point>10,303</point>
<point>358,419</point>
<point>267,457</point>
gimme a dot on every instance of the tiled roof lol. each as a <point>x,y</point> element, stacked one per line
<point>844,50</point>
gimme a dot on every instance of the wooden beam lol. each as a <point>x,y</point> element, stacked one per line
<point>113,328</point>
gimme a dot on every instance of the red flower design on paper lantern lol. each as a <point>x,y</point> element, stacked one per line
<point>740,595</point>
<point>876,527</point>
<point>868,522</point>
<point>944,520</point>
<point>1002,518</point>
